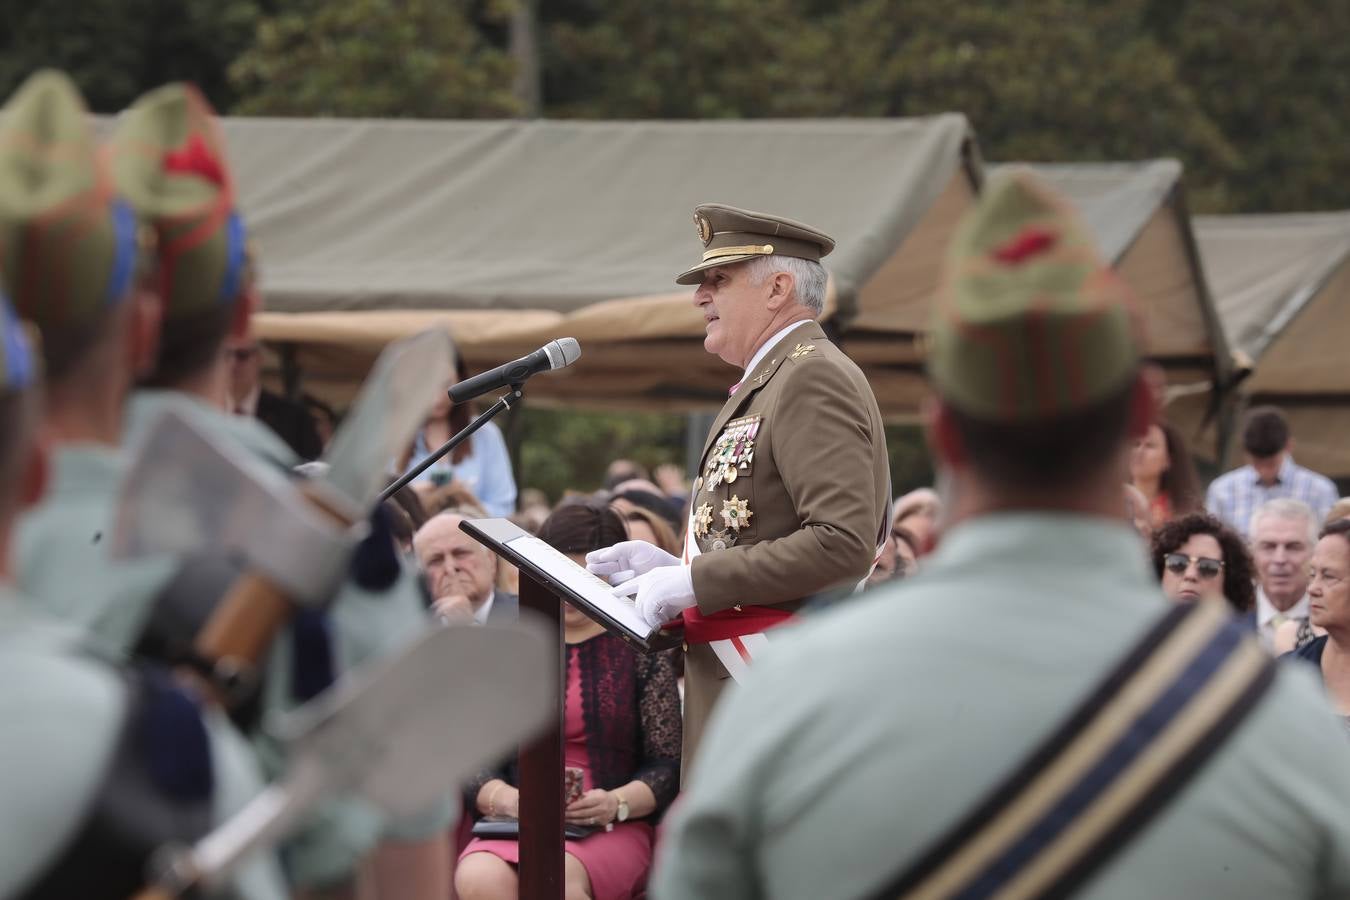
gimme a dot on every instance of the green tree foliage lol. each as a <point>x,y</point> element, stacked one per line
<point>568,450</point>
<point>684,59</point>
<point>1274,75</point>
<point>387,58</point>
<point>117,49</point>
<point>1043,80</point>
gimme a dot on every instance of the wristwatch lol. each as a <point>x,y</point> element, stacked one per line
<point>622,815</point>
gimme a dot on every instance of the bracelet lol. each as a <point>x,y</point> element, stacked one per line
<point>492,798</point>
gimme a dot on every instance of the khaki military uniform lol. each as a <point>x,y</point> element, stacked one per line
<point>790,498</point>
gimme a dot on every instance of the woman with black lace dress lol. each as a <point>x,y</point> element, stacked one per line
<point>622,728</point>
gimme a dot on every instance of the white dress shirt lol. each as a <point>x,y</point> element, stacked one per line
<point>1266,613</point>
<point>481,613</point>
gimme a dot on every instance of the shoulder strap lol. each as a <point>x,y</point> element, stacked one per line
<point>1126,751</point>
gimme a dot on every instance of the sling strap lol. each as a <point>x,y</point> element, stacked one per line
<point>1123,754</point>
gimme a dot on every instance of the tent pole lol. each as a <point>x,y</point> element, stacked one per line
<point>290,371</point>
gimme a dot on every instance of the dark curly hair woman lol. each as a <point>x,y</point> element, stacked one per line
<point>1197,556</point>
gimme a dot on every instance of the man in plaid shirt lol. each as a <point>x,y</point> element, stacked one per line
<point>1270,473</point>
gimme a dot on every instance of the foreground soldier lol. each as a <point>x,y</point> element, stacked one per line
<point>77,291</point>
<point>95,334</point>
<point>168,160</point>
<point>873,772</point>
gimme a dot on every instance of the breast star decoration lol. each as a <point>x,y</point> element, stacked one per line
<point>736,513</point>
<point>703,519</point>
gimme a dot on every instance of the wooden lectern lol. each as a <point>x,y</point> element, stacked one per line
<point>547,578</point>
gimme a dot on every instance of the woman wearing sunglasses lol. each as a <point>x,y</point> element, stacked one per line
<point>1198,557</point>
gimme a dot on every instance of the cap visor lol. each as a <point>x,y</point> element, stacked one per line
<point>695,275</point>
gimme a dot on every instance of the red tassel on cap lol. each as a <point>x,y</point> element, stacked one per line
<point>1029,242</point>
<point>195,158</point>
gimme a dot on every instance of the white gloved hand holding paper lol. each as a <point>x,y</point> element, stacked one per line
<point>662,593</point>
<point>627,560</point>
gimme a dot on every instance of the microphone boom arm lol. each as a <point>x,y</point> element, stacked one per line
<point>503,403</point>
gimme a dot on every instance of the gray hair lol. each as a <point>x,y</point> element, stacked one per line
<point>1285,508</point>
<point>808,278</point>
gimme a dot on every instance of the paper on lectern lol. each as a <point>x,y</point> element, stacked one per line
<point>575,578</point>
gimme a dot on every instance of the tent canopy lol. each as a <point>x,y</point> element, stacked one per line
<point>1137,213</point>
<point>513,233</point>
<point>509,234</point>
<point>1282,287</point>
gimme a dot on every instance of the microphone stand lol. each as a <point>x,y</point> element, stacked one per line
<point>503,402</point>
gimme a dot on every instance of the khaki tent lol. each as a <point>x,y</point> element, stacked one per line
<point>1138,213</point>
<point>1282,287</point>
<point>513,233</point>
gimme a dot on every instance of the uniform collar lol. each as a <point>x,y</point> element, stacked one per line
<point>772,342</point>
<point>248,432</point>
<point>80,468</point>
<point>759,374</point>
<point>1100,549</point>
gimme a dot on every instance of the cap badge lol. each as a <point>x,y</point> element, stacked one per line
<point>195,158</point>
<point>1030,241</point>
<point>705,232</point>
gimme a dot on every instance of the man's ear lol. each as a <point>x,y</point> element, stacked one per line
<point>945,444</point>
<point>147,321</point>
<point>242,317</point>
<point>780,290</point>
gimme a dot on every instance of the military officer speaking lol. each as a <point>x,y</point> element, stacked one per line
<point>1029,717</point>
<point>792,491</point>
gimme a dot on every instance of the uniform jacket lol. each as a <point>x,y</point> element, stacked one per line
<point>790,497</point>
<point>793,480</point>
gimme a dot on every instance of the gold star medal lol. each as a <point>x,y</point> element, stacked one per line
<point>703,519</point>
<point>736,513</point>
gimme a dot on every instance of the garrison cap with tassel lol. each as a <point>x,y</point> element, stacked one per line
<point>1030,324</point>
<point>732,235</point>
<point>67,243</point>
<point>168,160</point>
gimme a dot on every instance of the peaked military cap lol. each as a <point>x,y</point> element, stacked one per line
<point>67,244</point>
<point>732,235</point>
<point>1029,324</point>
<point>168,160</point>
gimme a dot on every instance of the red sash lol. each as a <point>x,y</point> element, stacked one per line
<point>731,623</point>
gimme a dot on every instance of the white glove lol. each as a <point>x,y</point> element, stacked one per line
<point>627,560</point>
<point>662,594</point>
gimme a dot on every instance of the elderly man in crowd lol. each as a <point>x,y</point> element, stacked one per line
<point>1270,474</point>
<point>1283,535</point>
<point>460,573</point>
<point>793,493</point>
<point>1039,722</point>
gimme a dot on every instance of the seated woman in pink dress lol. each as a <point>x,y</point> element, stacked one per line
<point>622,730</point>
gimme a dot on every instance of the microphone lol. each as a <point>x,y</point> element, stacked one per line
<point>553,355</point>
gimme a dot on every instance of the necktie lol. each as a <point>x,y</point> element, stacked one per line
<point>734,388</point>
